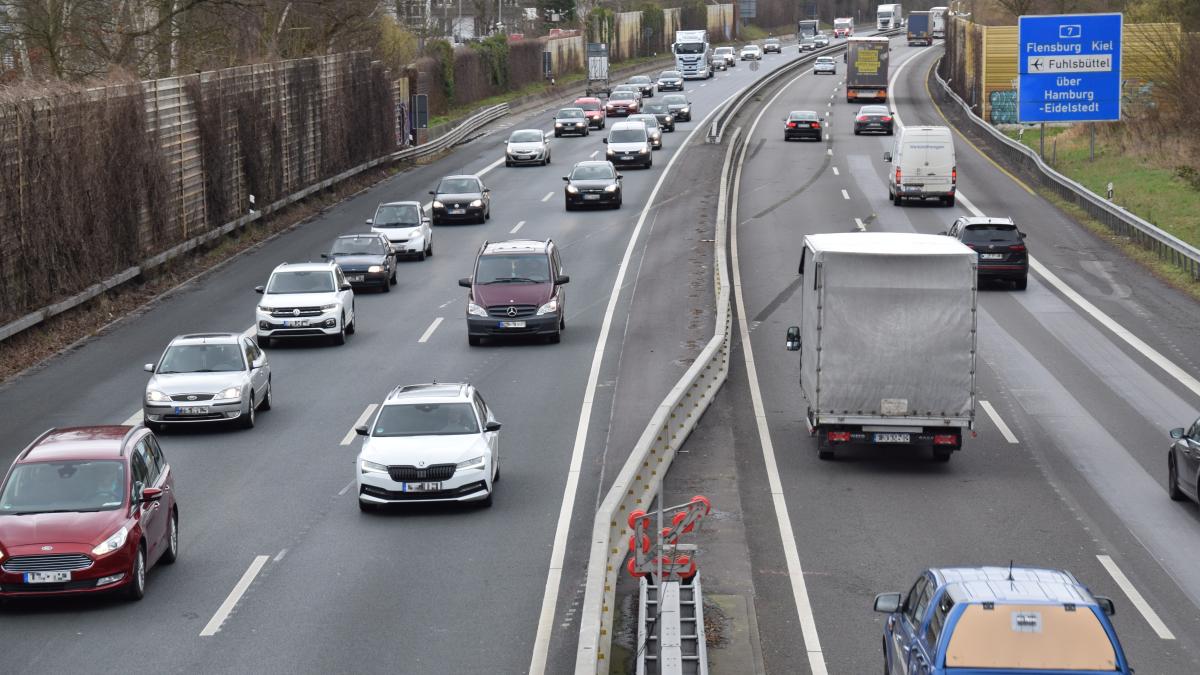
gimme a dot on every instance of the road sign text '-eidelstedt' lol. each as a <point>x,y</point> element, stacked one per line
<point>1070,68</point>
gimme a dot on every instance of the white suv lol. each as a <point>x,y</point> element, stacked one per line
<point>305,299</point>
<point>429,443</point>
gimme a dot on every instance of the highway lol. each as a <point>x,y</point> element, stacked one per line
<point>1069,466</point>
<point>271,511</point>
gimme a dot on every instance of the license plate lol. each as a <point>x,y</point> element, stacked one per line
<point>991,256</point>
<point>626,158</point>
<point>873,124</point>
<point>47,577</point>
<point>913,188</point>
<point>457,212</point>
<point>421,487</point>
<point>355,277</point>
<point>893,438</point>
<point>295,323</point>
<point>192,410</point>
<point>512,324</point>
<point>593,197</point>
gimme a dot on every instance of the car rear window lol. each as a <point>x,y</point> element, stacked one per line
<point>1034,637</point>
<point>803,116</point>
<point>425,419</point>
<point>991,234</point>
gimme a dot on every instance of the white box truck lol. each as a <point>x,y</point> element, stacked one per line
<point>888,17</point>
<point>938,15</point>
<point>693,54</point>
<point>887,340</point>
<point>924,165</point>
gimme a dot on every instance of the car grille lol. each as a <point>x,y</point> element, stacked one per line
<point>285,312</point>
<point>192,397</point>
<point>65,562</point>
<point>520,310</point>
<point>409,474</point>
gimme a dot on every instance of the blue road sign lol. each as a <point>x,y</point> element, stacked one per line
<point>1070,68</point>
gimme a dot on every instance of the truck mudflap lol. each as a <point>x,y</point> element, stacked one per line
<point>942,441</point>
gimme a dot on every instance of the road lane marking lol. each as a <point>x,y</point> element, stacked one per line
<point>791,553</point>
<point>845,195</point>
<point>860,225</point>
<point>829,151</point>
<point>279,556</point>
<point>429,331</point>
<point>547,617</point>
<point>835,171</point>
<point>249,332</point>
<point>512,231</point>
<point>346,489</point>
<point>1136,598</point>
<point>593,155</point>
<point>214,624</point>
<point>362,419</point>
<point>547,197</point>
<point>134,419</point>
<point>998,421</point>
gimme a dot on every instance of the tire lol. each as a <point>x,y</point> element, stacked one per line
<point>486,502</point>
<point>387,287</point>
<point>266,402</point>
<point>474,340</point>
<point>352,328</point>
<point>1173,490</point>
<point>555,337</point>
<point>393,281</point>
<point>617,205</point>
<point>557,135</point>
<point>429,248</point>
<point>824,448</point>
<point>857,132</point>
<point>506,163</point>
<point>170,555</point>
<point>263,341</point>
<point>567,205</point>
<point>136,588</point>
<point>1021,284</point>
<point>949,201</point>
<point>247,420</point>
<point>897,199</point>
<point>421,255</point>
<point>549,159</point>
<point>487,215</point>
<point>434,221</point>
<point>340,338</point>
<point>942,454</point>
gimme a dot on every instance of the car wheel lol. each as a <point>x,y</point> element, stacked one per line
<point>340,338</point>
<point>1173,490</point>
<point>170,555</point>
<point>897,199</point>
<point>567,205</point>
<point>942,454</point>
<point>1022,283</point>
<point>429,248</point>
<point>266,402</point>
<point>549,159</point>
<point>474,340</point>
<point>507,163</point>
<point>392,280</point>
<point>617,205</point>
<point>387,286</point>
<point>487,215</point>
<point>247,419</point>
<point>434,221</point>
<point>587,132</point>
<point>352,328</point>
<point>949,201</point>
<point>421,255</point>
<point>562,322</point>
<point>263,341</point>
<point>857,132</point>
<point>557,134</point>
<point>486,502</point>
<point>555,337</point>
<point>136,588</point>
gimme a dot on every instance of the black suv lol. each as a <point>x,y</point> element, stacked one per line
<point>1001,248</point>
<point>516,290</point>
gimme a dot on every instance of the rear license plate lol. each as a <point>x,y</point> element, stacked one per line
<point>593,197</point>
<point>295,323</point>
<point>421,487</point>
<point>991,256</point>
<point>512,324</point>
<point>47,577</point>
<point>457,212</point>
<point>893,438</point>
<point>874,124</point>
<point>192,410</point>
<point>353,278</point>
<point>913,188</point>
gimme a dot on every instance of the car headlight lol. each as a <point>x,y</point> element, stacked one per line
<point>230,392</point>
<point>375,269</point>
<point>670,119</point>
<point>610,152</point>
<point>156,396</point>
<point>611,188</point>
<point>558,124</point>
<point>438,205</point>
<point>326,308</point>
<point>264,308</point>
<point>572,189</point>
<point>371,467</point>
<point>477,203</point>
<point>549,307</point>
<point>113,543</point>
<point>472,464</point>
<point>643,151</point>
<point>685,110</point>
<point>475,309</point>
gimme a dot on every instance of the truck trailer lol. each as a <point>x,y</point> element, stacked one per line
<point>938,15</point>
<point>920,29</point>
<point>887,340</point>
<point>693,54</point>
<point>807,28</point>
<point>866,69</point>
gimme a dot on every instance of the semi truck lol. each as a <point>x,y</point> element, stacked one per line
<point>888,17</point>
<point>920,29</point>
<point>807,28</point>
<point>843,27</point>
<point>937,15</point>
<point>866,69</point>
<point>693,54</point>
<point>887,340</point>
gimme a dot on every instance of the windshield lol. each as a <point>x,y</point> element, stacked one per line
<point>593,172</point>
<point>651,122</point>
<point>627,136</point>
<point>724,50</point>
<point>403,215</point>
<point>425,419</point>
<point>526,137</point>
<point>991,234</point>
<point>639,79</point>
<point>690,47</point>
<point>570,113</point>
<point>885,15</point>
<point>501,269</point>
<point>623,93</point>
<point>656,108</point>
<point>588,105</point>
<point>202,359</point>
<point>451,186</point>
<point>68,487</point>
<point>319,281</point>
<point>670,75</point>
<point>358,246</point>
<point>675,99</point>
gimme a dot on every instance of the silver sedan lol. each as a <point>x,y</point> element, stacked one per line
<point>207,377</point>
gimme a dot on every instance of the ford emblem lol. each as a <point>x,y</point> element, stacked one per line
<point>192,397</point>
<point>47,548</point>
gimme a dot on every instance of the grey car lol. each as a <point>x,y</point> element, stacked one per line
<point>1183,463</point>
<point>570,121</point>
<point>652,128</point>
<point>207,377</point>
<point>680,107</point>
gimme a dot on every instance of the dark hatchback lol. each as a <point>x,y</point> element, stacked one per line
<point>643,84</point>
<point>592,183</point>
<point>801,124</point>
<point>663,112</point>
<point>516,290</point>
<point>463,199</point>
<point>680,107</point>
<point>1001,248</point>
<point>670,80</point>
<point>873,118</point>
<point>367,260</point>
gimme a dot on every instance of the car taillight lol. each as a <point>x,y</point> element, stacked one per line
<point>839,436</point>
<point>886,118</point>
<point>816,125</point>
<point>897,175</point>
<point>791,125</point>
<point>954,176</point>
<point>861,118</point>
<point>1020,248</point>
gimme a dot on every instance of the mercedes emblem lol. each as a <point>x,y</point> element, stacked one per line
<point>512,311</point>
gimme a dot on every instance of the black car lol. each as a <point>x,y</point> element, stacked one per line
<point>875,118</point>
<point>643,84</point>
<point>680,107</point>
<point>367,260</point>
<point>593,183</point>
<point>663,112</point>
<point>462,199</point>
<point>1183,463</point>
<point>670,80</point>
<point>1001,247</point>
<point>801,124</point>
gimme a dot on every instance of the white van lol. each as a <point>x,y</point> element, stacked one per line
<point>924,163</point>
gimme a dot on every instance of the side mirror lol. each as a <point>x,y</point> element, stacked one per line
<point>370,221</point>
<point>260,289</point>
<point>620,176</point>
<point>1021,233</point>
<point>325,256</point>
<point>492,426</point>
<point>149,368</point>
<point>887,602</point>
<point>487,189</point>
<point>604,141</point>
<point>465,282</point>
<point>562,279</point>
<point>1106,605</point>
<point>150,495</point>
<point>362,430</point>
<point>346,287</point>
<point>887,157</point>
<point>425,220</point>
<point>1177,433</point>
<point>258,363</point>
<point>567,178</point>
<point>793,339</point>
<point>433,192</point>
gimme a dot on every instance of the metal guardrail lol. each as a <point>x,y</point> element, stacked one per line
<point>438,145</point>
<point>1122,222</point>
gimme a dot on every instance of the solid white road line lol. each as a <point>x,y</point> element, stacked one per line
<point>829,151</point>
<point>835,171</point>
<point>998,421</point>
<point>546,619</point>
<point>1136,598</point>
<point>214,624</point>
<point>547,197</point>
<point>429,331</point>
<point>362,419</point>
<point>791,553</point>
<point>860,225</point>
<point>845,195</point>
<point>518,226</point>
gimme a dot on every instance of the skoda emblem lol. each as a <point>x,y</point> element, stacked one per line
<point>296,312</point>
<point>421,463</point>
<point>192,397</point>
<point>512,311</point>
<point>47,548</point>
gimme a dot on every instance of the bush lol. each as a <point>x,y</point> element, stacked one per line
<point>443,55</point>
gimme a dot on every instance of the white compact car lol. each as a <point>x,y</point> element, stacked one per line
<point>305,300</point>
<point>406,227</point>
<point>429,443</point>
<point>751,53</point>
<point>825,64</point>
<point>527,146</point>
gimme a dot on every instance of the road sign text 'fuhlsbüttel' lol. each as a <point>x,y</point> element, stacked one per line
<point>1070,68</point>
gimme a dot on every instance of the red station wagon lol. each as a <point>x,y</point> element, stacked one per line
<point>86,510</point>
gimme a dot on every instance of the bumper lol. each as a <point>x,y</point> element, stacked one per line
<point>622,111</point>
<point>670,86</point>
<point>468,486</point>
<point>367,279</point>
<point>114,569</point>
<point>1006,271</point>
<point>470,213</point>
<point>667,126</point>
<point>681,116</point>
<point>814,134</point>
<point>866,94</point>
<point>923,192</point>
<point>634,160</point>
<point>533,159</point>
<point>822,71</point>
<point>573,129</point>
<point>480,326</point>
<point>410,247</point>
<point>277,327</point>
<point>591,199</point>
<point>176,412</point>
<point>860,128</point>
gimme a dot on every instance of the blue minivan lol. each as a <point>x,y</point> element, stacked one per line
<point>998,621</point>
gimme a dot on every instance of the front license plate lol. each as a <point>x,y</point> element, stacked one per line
<point>991,256</point>
<point>47,577</point>
<point>893,438</point>
<point>593,197</point>
<point>512,324</point>
<point>192,410</point>
<point>457,212</point>
<point>295,323</point>
<point>421,487</point>
<point>353,278</point>
<point>626,158</point>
